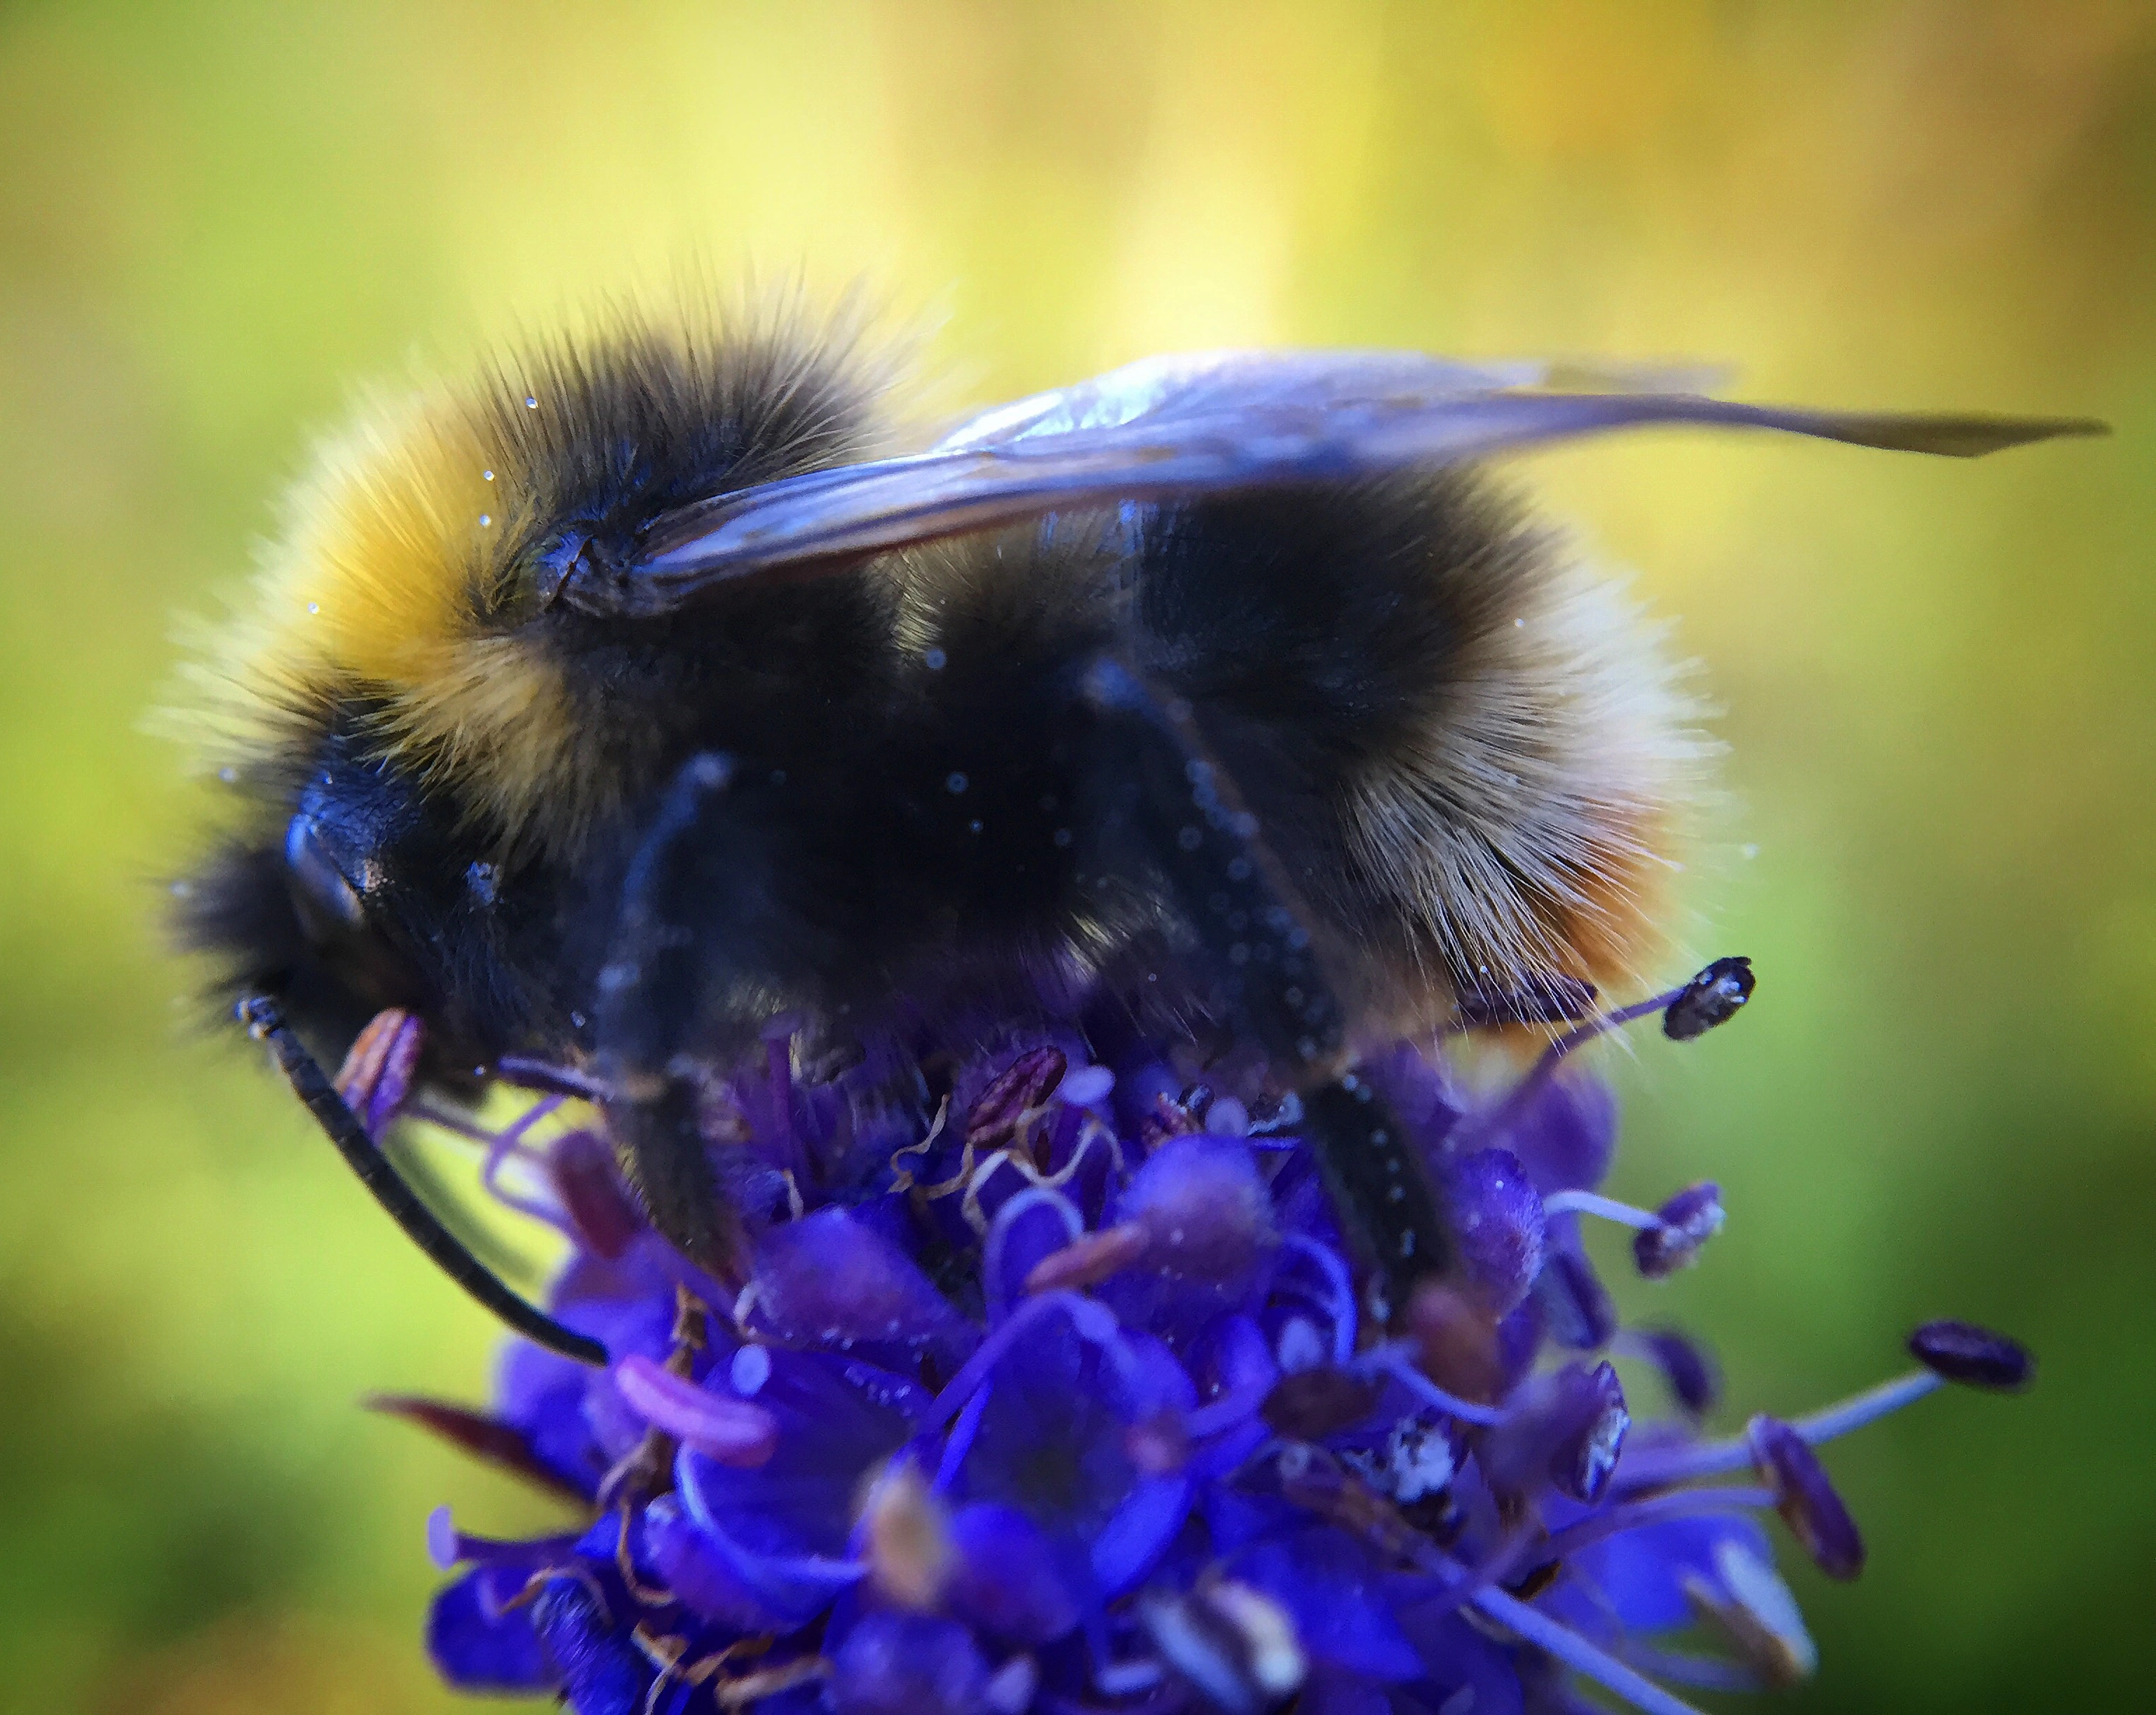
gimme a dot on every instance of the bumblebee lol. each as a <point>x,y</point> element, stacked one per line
<point>641,690</point>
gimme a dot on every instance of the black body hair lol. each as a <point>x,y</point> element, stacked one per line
<point>957,778</point>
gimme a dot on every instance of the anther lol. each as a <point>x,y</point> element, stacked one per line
<point>1583,1464</point>
<point>1682,1225</point>
<point>732,1431</point>
<point>1569,1428</point>
<point>1976,1358</point>
<point>1578,1306</point>
<point>1687,1369</point>
<point>375,1078</point>
<point>1805,1499</point>
<point>1019,1088</point>
<point>1089,1258</point>
<point>1711,998</point>
<point>908,1534</point>
<point>587,1181</point>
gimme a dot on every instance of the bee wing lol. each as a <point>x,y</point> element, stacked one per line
<point>1179,427</point>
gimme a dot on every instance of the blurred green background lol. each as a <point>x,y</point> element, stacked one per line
<point>216,220</point>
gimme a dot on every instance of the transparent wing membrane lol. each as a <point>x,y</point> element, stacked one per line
<point>1221,423</point>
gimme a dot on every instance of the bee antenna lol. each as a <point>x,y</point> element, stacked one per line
<point>265,1022</point>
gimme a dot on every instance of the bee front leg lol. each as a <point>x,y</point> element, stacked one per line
<point>1186,812</point>
<point>651,1008</point>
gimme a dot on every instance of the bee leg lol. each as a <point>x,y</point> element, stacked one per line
<point>650,1003</point>
<point>1185,809</point>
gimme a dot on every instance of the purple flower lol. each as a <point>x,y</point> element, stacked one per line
<point>1051,1391</point>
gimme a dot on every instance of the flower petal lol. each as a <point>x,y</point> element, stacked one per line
<point>828,1279</point>
<point>905,1664</point>
<point>1006,1580</point>
<point>478,1643</point>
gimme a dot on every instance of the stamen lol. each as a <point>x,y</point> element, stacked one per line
<point>526,1073</point>
<point>1805,1499</point>
<point>1706,1673</point>
<point>1976,1358</point>
<point>1607,1208</point>
<point>1007,1218</point>
<point>1566,1428</point>
<point>1543,1000</point>
<point>769,1681</point>
<point>960,1441</point>
<point>1019,1088</point>
<point>508,1144</point>
<point>1093,1322</point>
<point>1685,1365</point>
<point>1681,1226</point>
<point>1710,998</point>
<point>1690,1009</point>
<point>732,1431</point>
<point>1340,1290</point>
<point>1866,1408</point>
<point>784,1136</point>
<point>1531,1626</point>
<point>1579,1310</point>
<point>1089,1258</point>
<point>1311,1404</point>
<point>1087,1085</point>
<point>450,1548</point>
<point>1397,1360</point>
<point>1011,1688</point>
<point>908,1539</point>
<point>1583,1465</point>
<point>375,1078</point>
<point>582,1170</point>
<point>1127,1679</point>
<point>1499,1119</point>
<point>1661,1467</point>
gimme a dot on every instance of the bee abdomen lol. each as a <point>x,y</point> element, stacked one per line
<point>1465,747</point>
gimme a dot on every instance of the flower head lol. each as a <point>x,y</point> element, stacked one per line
<point>1052,1390</point>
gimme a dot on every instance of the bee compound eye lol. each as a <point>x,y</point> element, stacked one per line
<point>329,904</point>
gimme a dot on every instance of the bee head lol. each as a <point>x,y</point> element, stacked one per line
<point>355,888</point>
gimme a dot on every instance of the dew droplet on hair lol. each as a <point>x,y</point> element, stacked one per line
<point>487,476</point>
<point>485,519</point>
<point>531,402</point>
<point>935,659</point>
<point>314,607</point>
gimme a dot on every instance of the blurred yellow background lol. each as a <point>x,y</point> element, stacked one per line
<point>215,221</point>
